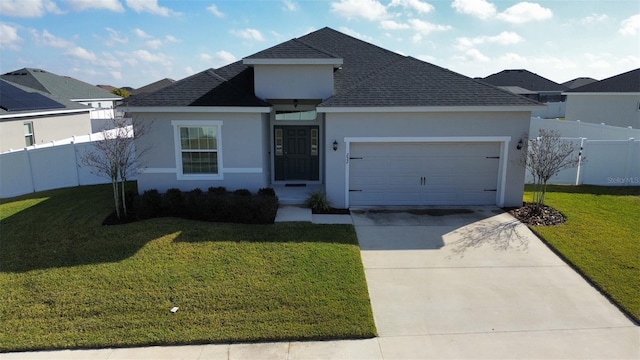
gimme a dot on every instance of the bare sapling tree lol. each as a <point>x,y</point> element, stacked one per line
<point>545,157</point>
<point>117,158</point>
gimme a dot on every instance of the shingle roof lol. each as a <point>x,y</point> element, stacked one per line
<point>65,103</point>
<point>206,88</point>
<point>625,82</point>
<point>153,86</point>
<point>60,86</point>
<point>412,82</point>
<point>577,82</point>
<point>369,76</point>
<point>524,79</point>
<point>292,49</point>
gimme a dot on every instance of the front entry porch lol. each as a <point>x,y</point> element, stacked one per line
<point>295,195</point>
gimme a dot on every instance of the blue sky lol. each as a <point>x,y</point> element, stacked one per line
<point>136,42</point>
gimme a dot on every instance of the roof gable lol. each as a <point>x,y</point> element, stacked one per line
<point>370,76</point>
<point>625,82</point>
<point>61,86</point>
<point>524,79</point>
<point>577,82</point>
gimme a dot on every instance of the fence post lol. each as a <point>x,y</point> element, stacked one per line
<point>579,170</point>
<point>33,184</point>
<point>75,154</point>
<point>628,165</point>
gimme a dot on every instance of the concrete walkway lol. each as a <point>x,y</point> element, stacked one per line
<point>478,284</point>
<point>456,284</point>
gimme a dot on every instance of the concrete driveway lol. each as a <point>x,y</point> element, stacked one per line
<point>475,283</point>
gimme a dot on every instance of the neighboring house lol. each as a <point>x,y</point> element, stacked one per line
<point>29,117</point>
<point>613,101</point>
<point>577,82</point>
<point>157,85</point>
<point>64,87</point>
<point>368,125</point>
<point>533,86</point>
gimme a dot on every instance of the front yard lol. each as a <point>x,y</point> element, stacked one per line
<point>601,237</point>
<point>69,282</point>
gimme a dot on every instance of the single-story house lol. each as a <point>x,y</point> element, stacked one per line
<point>577,82</point>
<point>533,86</point>
<point>613,101</point>
<point>367,125</point>
<point>30,117</point>
<point>102,102</point>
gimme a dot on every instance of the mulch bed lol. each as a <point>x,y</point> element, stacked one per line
<point>545,216</point>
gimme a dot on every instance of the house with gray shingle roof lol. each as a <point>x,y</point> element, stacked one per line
<point>31,117</point>
<point>333,113</point>
<point>64,87</point>
<point>526,83</point>
<point>613,101</point>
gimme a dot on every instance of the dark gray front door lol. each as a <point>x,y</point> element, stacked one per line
<point>296,153</point>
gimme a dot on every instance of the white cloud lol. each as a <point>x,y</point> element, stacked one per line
<point>147,57</point>
<point>248,34</point>
<point>189,70</point>
<point>426,28</point>
<point>392,25</point>
<point>288,5</point>
<point>593,19</point>
<point>215,11</point>
<point>472,55</point>
<point>421,7</point>
<point>28,8</point>
<point>49,39</point>
<point>154,44</point>
<point>524,12</point>
<point>504,38</point>
<point>9,38</point>
<point>141,34</point>
<point>81,5</point>
<point>115,37</point>
<point>355,34</point>
<point>479,8</point>
<point>151,7</point>
<point>82,53</point>
<point>171,39</point>
<point>513,60</point>
<point>630,26</point>
<point>218,59</point>
<point>367,9</point>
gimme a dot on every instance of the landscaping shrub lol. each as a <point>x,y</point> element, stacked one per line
<point>216,205</point>
<point>318,202</point>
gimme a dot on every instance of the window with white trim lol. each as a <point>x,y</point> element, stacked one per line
<point>198,149</point>
<point>29,139</point>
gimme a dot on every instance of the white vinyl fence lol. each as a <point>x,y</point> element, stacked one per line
<point>612,154</point>
<point>48,166</point>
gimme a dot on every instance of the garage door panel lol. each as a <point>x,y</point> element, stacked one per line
<point>423,173</point>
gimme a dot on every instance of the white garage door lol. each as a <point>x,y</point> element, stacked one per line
<point>423,173</point>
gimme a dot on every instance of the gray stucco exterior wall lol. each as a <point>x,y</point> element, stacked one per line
<point>243,145</point>
<point>45,129</point>
<point>615,109</point>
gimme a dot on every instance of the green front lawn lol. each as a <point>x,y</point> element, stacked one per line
<point>601,237</point>
<point>67,281</point>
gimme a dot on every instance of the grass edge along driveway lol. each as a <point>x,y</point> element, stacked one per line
<point>69,282</point>
<point>600,238</point>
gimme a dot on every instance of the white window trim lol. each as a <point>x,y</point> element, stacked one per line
<point>31,134</point>
<point>177,124</point>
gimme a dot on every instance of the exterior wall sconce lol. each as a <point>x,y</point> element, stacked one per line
<point>335,145</point>
<point>519,146</point>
